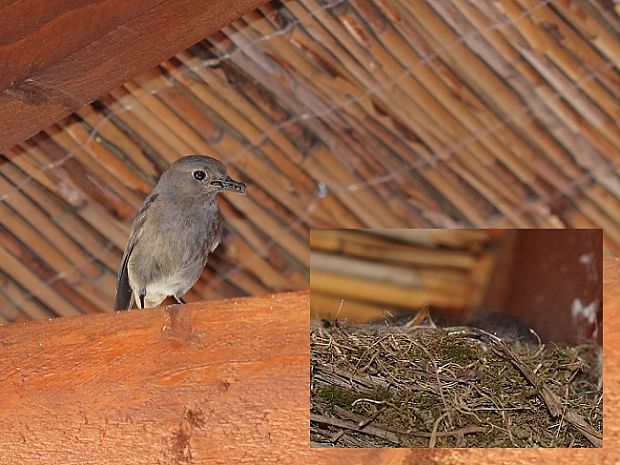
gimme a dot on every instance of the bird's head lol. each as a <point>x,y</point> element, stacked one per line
<point>199,175</point>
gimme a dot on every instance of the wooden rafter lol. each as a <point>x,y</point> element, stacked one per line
<point>55,59</point>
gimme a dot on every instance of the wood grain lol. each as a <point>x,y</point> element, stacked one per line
<point>204,384</point>
<point>55,59</point>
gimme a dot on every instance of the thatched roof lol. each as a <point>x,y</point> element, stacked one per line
<point>373,274</point>
<point>339,114</point>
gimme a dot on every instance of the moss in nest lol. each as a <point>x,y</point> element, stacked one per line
<point>457,350</point>
<point>427,401</point>
<point>335,395</point>
<point>451,387</point>
<point>563,356</point>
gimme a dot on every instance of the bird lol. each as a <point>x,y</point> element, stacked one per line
<point>177,227</point>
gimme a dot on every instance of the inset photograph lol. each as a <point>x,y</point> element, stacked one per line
<point>456,338</point>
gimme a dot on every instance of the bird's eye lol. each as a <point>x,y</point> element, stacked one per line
<point>199,175</point>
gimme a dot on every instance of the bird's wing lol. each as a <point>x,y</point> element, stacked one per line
<point>123,289</point>
<point>217,236</point>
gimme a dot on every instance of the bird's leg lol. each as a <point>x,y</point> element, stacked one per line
<point>178,299</point>
<point>142,296</point>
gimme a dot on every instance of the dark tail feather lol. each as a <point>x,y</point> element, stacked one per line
<point>123,292</point>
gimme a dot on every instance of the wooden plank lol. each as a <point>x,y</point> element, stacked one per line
<point>218,382</point>
<point>611,351</point>
<point>169,385</point>
<point>54,60</point>
<point>553,270</point>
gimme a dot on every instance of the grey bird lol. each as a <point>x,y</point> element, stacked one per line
<point>178,225</point>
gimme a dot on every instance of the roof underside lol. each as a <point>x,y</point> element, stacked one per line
<point>338,114</point>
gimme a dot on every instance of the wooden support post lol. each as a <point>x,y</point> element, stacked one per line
<point>57,56</point>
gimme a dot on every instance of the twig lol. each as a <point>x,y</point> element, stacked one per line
<point>409,432</point>
<point>551,400</point>
<point>371,430</point>
<point>433,440</point>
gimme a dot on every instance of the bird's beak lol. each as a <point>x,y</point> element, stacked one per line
<point>228,184</point>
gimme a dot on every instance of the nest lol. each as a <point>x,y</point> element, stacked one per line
<point>385,386</point>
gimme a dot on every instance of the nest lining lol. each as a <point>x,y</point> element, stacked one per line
<point>382,386</point>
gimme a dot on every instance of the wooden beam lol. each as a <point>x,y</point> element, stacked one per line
<point>54,60</point>
<point>169,385</point>
<point>217,382</point>
<point>542,300</point>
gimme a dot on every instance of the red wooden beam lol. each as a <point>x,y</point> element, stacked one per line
<point>58,56</point>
